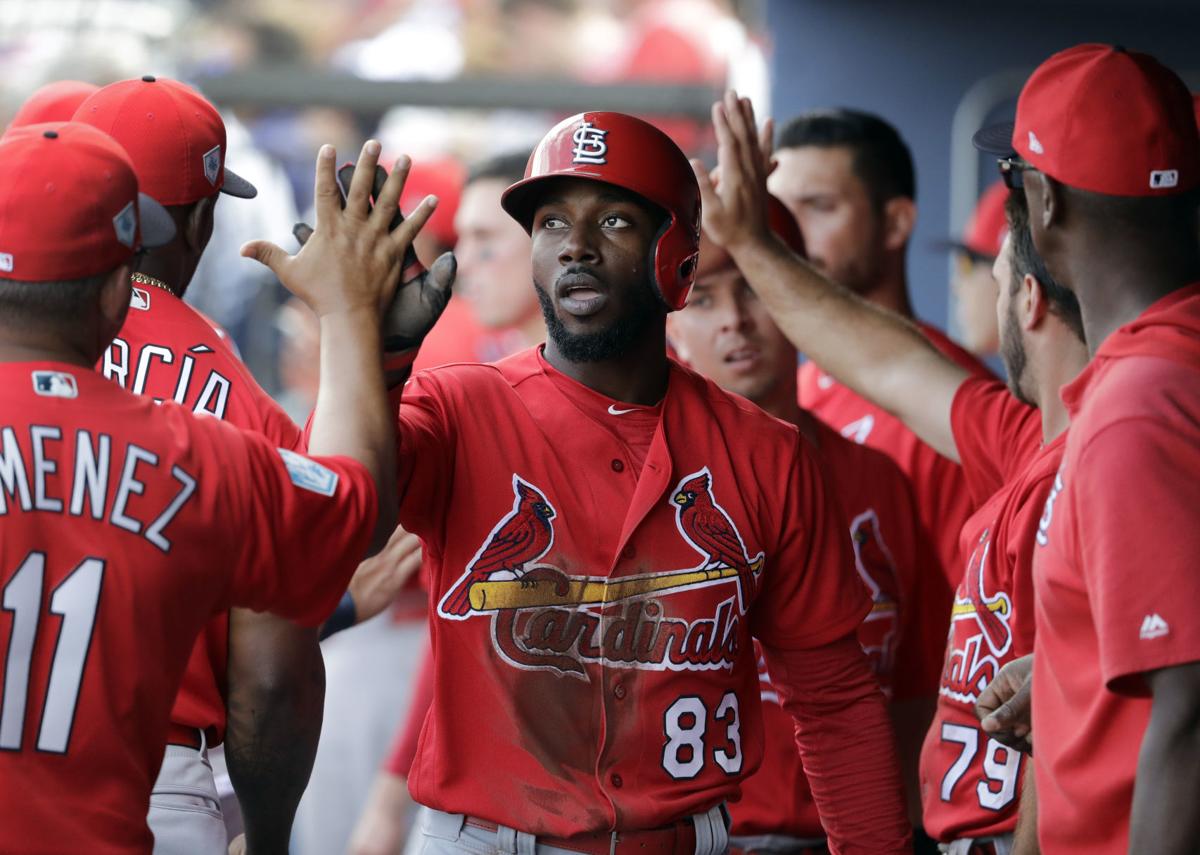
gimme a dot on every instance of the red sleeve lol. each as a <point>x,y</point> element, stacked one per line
<point>425,456</point>
<point>812,594</point>
<point>925,604</point>
<point>996,434</point>
<point>311,519</point>
<point>404,747</point>
<point>846,744</point>
<point>1137,498</point>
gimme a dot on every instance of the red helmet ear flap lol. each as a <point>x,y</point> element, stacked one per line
<point>635,156</point>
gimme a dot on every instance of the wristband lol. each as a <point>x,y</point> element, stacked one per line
<point>343,617</point>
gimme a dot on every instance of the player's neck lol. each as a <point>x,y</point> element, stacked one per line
<point>892,294</point>
<point>783,402</point>
<point>638,376</point>
<point>1061,361</point>
<point>37,346</point>
<point>168,271</point>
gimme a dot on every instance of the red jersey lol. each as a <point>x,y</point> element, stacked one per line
<point>592,631</point>
<point>1115,574</point>
<point>938,484</point>
<point>970,783</point>
<point>124,526</point>
<point>896,563</point>
<point>170,352</point>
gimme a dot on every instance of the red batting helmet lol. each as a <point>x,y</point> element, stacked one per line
<point>636,156</point>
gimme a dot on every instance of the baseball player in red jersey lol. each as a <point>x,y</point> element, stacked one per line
<point>1116,668</point>
<point>265,670</point>
<point>596,689</point>
<point>848,178</point>
<point>1008,455</point>
<point>54,102</point>
<point>126,525</point>
<point>727,335</point>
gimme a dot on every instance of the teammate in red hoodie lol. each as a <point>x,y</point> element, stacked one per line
<point>1116,681</point>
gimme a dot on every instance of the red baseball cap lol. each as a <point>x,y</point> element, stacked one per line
<point>442,177</point>
<point>54,102</point>
<point>174,137</point>
<point>1106,120</point>
<point>987,226</point>
<point>70,206</point>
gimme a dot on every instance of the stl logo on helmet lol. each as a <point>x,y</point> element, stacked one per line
<point>543,619</point>
<point>590,146</point>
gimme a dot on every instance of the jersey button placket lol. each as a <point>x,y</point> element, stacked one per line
<point>616,781</point>
<point>618,465</point>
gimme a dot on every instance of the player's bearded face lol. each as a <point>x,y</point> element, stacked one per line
<point>592,247</point>
<point>1012,346</point>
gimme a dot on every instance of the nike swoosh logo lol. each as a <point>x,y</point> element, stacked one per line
<point>614,411</point>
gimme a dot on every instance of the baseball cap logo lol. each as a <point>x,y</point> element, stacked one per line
<point>125,225</point>
<point>1161,179</point>
<point>212,164</point>
<point>590,146</point>
<point>6,262</point>
<point>1035,145</point>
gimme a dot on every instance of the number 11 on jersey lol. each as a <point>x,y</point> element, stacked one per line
<point>75,600</point>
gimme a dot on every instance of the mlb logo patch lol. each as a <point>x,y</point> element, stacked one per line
<point>6,262</point>
<point>140,299</point>
<point>590,146</point>
<point>125,225</point>
<point>212,164</point>
<point>308,474</point>
<point>1164,179</point>
<point>55,384</point>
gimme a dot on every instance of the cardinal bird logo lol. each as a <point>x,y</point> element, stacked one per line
<point>990,611</point>
<point>523,536</point>
<point>705,525</point>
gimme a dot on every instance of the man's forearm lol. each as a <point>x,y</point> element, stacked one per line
<point>1165,819</point>
<point>352,416</point>
<point>877,353</point>
<point>845,741</point>
<point>275,706</point>
<point>1025,840</point>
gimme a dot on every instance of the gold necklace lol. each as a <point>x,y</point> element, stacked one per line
<point>143,279</point>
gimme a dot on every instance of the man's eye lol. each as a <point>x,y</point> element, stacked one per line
<point>552,222</point>
<point>700,302</point>
<point>612,221</point>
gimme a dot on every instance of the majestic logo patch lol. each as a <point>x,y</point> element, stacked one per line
<point>1153,626</point>
<point>55,384</point>
<point>308,474</point>
<point>1163,179</point>
<point>543,619</point>
<point>859,429</point>
<point>6,262</point>
<point>212,164</point>
<point>139,299</point>
<point>125,225</point>
<point>590,146</point>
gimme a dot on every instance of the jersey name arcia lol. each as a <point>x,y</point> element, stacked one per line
<point>132,369</point>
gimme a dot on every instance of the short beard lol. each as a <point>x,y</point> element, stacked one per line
<point>1012,354</point>
<point>615,340</point>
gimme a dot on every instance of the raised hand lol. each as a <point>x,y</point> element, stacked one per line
<point>734,197</point>
<point>350,260</point>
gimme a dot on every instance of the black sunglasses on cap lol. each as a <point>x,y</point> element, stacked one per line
<point>1011,168</point>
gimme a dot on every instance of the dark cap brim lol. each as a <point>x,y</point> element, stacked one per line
<point>995,139</point>
<point>236,185</point>
<point>950,245</point>
<point>158,229</point>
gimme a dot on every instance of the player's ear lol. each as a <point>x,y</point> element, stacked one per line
<point>899,220</point>
<point>198,224</point>
<point>114,299</point>
<point>1033,305</point>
